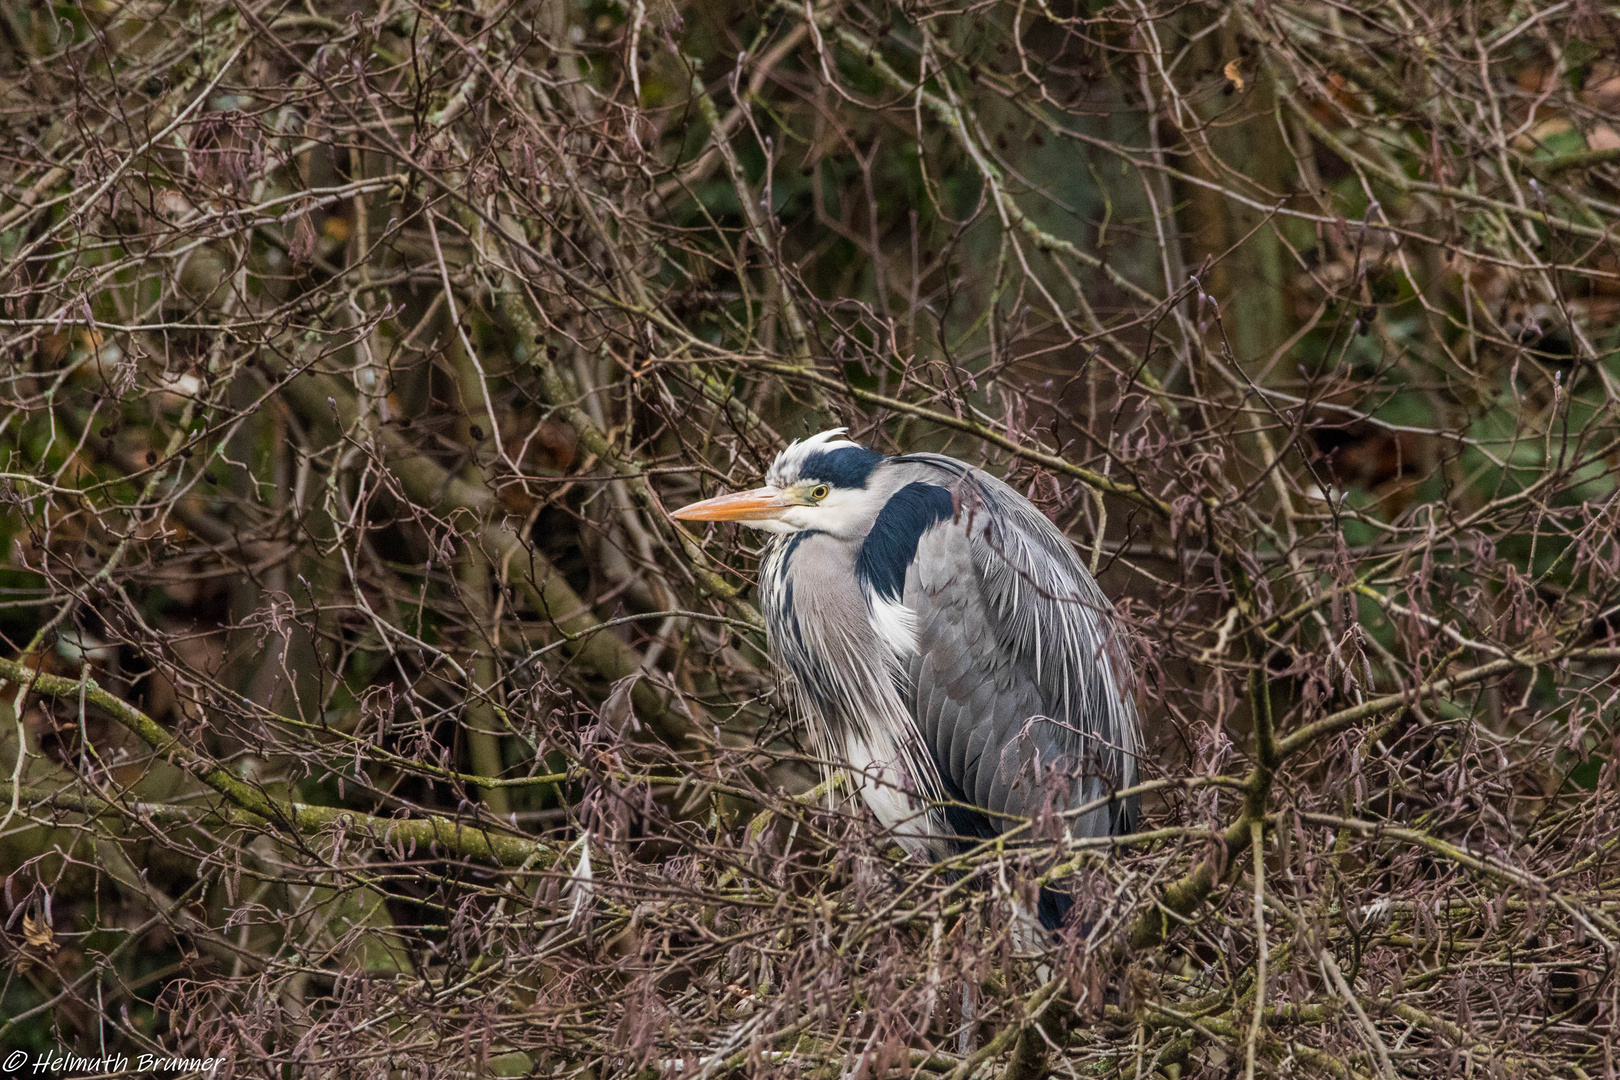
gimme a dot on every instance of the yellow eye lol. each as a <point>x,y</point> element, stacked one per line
<point>819,492</point>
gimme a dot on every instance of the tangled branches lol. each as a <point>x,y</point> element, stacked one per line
<point>365,712</point>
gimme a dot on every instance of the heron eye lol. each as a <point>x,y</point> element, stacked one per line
<point>819,492</point>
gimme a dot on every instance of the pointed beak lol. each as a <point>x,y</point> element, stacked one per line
<point>761,504</point>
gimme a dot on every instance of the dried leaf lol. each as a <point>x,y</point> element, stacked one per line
<point>301,248</point>
<point>39,935</point>
<point>618,711</point>
<point>1233,75</point>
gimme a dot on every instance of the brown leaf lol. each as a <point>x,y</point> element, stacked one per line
<point>560,441</point>
<point>39,936</point>
<point>1602,90</point>
<point>1603,137</point>
<point>301,248</point>
<point>1233,75</point>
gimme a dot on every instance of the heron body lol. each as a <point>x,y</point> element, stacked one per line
<point>945,644</point>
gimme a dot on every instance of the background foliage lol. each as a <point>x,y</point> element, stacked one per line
<point>366,714</point>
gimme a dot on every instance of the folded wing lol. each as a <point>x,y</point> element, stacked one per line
<point>1019,686</point>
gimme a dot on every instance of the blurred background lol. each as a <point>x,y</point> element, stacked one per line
<point>365,714</point>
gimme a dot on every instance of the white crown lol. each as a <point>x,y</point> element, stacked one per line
<point>789,461</point>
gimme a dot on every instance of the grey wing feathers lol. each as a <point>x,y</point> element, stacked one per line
<point>1019,686</point>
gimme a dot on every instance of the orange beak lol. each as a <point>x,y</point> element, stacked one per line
<point>761,504</point>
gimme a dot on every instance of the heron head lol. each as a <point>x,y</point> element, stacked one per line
<point>822,483</point>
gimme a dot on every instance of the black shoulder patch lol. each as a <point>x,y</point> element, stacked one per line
<point>891,546</point>
<point>845,467</point>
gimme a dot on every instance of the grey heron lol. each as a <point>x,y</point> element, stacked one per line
<point>944,642</point>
